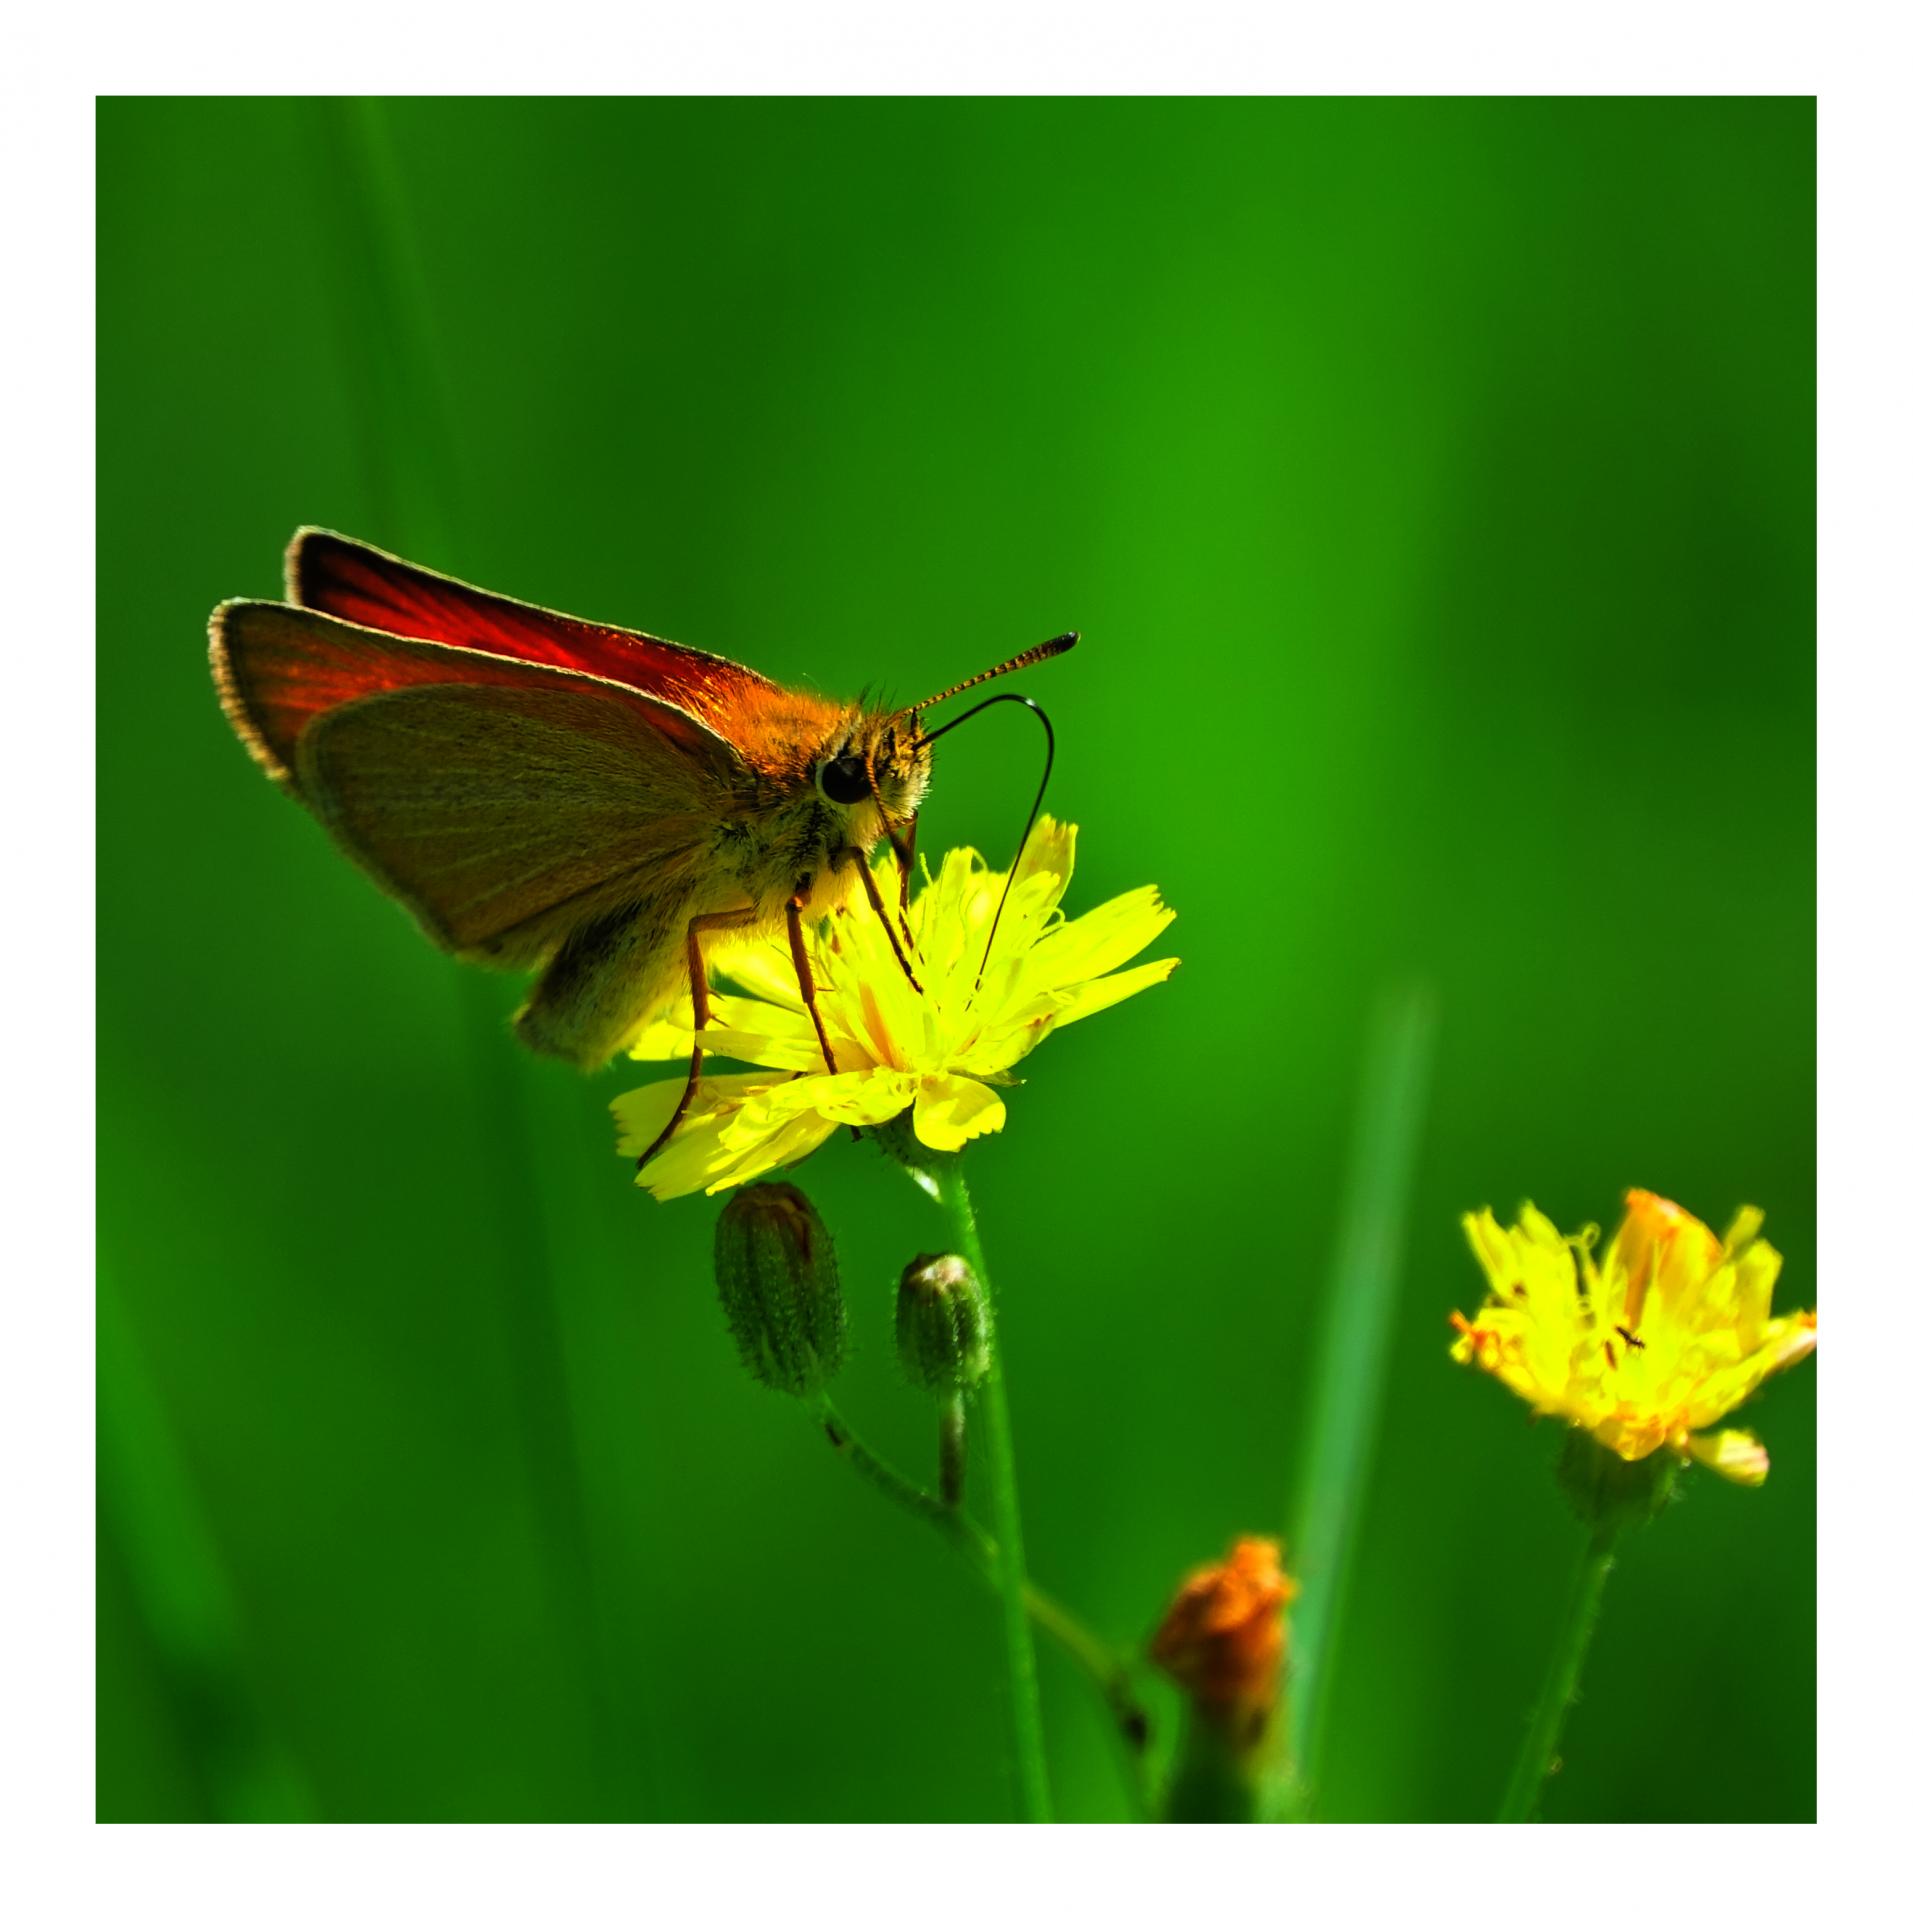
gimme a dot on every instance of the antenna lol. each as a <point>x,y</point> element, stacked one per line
<point>1028,658</point>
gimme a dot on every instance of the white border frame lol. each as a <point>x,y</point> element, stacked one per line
<point>1842,53</point>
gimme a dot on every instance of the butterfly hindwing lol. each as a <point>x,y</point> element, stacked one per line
<point>496,812</point>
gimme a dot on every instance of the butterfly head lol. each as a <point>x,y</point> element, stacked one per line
<point>879,764</point>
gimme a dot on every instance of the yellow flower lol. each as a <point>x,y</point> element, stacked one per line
<point>1667,1335</point>
<point>940,1054</point>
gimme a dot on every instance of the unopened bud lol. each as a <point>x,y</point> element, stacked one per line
<point>777,1279</point>
<point>943,1339</point>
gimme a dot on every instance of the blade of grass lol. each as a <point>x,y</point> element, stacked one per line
<point>406,429</point>
<point>1351,1357</point>
<point>402,416</point>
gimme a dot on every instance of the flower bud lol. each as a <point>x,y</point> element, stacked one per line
<point>943,1339</point>
<point>777,1279</point>
<point>1223,1637</point>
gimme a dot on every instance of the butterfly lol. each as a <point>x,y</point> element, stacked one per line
<point>546,794</point>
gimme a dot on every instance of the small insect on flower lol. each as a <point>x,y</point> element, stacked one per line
<point>553,796</point>
<point>1666,1336</point>
<point>937,1046</point>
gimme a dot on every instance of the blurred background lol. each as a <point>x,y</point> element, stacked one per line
<point>1432,483</point>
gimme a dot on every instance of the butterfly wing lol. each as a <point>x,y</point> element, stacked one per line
<point>497,813</point>
<point>506,804</point>
<point>540,791</point>
<point>352,581</point>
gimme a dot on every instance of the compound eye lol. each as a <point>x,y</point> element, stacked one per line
<point>845,779</point>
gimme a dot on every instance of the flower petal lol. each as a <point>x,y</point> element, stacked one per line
<point>1107,936</point>
<point>1051,850</point>
<point>692,1158</point>
<point>762,967</point>
<point>770,1126</point>
<point>757,1032</point>
<point>1494,1247</point>
<point>1750,1282</point>
<point>1733,1453</point>
<point>953,1108</point>
<point>695,1161</point>
<point>1792,1339</point>
<point>764,1036</point>
<point>865,1099</point>
<point>642,1113</point>
<point>1094,995</point>
<point>739,1125</point>
<point>665,1037</point>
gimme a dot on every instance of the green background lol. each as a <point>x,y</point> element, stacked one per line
<point>1432,483</point>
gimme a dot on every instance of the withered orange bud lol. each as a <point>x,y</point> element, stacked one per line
<point>1223,1638</point>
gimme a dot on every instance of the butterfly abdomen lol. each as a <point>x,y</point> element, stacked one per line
<point>610,975</point>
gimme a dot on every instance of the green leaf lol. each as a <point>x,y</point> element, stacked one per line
<point>1364,1283</point>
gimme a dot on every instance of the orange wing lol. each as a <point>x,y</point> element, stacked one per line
<point>356,582</point>
<point>504,803</point>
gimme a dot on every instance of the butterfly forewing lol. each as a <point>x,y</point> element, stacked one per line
<point>356,582</point>
<point>504,803</point>
<point>280,668</point>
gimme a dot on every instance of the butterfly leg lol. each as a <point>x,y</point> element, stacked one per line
<point>876,900</point>
<point>800,959</point>
<point>700,1010</point>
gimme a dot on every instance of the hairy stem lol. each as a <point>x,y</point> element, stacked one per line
<point>1558,1691</point>
<point>1019,1649</point>
<point>952,1450</point>
<point>1106,1669</point>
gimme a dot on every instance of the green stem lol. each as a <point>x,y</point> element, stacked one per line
<point>1212,1782</point>
<point>952,1450</point>
<point>1128,1722</point>
<point>957,1527</point>
<point>1019,1649</point>
<point>1106,1669</point>
<point>1558,1691</point>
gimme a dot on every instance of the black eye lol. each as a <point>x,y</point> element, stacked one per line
<point>845,780</point>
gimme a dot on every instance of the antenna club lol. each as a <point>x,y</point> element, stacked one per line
<point>1029,657</point>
